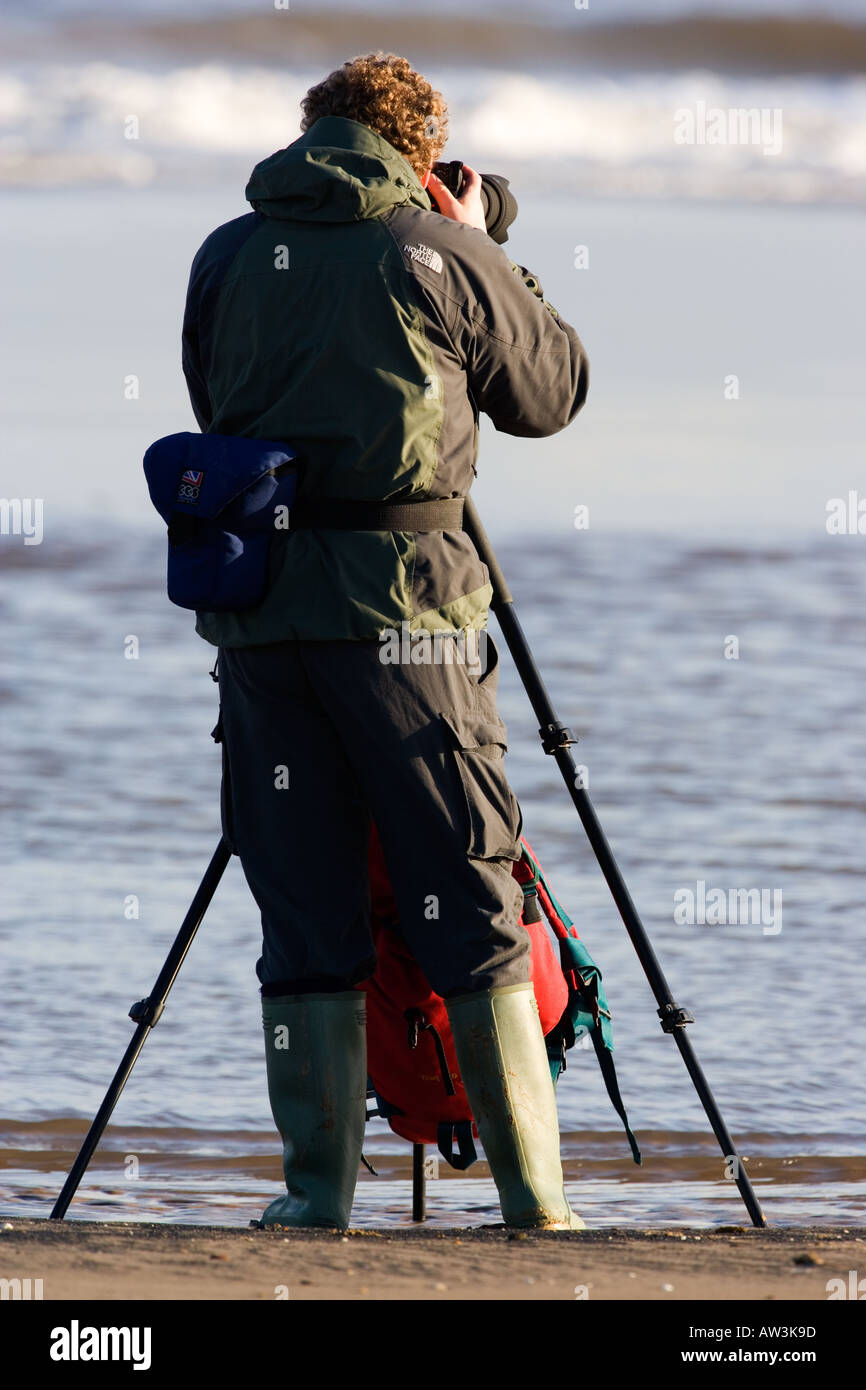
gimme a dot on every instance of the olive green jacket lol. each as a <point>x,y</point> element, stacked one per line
<point>346,318</point>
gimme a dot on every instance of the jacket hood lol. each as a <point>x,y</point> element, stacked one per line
<point>338,171</point>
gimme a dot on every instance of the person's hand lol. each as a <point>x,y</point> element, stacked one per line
<point>468,207</point>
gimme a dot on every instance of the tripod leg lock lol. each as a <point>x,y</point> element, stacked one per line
<point>672,1016</point>
<point>146,1011</point>
<point>555,736</point>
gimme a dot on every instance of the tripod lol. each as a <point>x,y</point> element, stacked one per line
<point>556,741</point>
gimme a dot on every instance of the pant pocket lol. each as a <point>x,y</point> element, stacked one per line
<point>494,817</point>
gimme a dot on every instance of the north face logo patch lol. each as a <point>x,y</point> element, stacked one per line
<point>426,256</point>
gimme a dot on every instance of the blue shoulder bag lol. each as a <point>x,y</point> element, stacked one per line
<point>222,497</point>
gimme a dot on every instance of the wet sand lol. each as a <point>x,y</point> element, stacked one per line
<point>109,1261</point>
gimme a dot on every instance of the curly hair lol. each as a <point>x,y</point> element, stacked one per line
<point>385,93</point>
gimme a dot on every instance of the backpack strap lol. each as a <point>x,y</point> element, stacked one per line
<point>461,1130</point>
<point>418,1024</point>
<point>608,1072</point>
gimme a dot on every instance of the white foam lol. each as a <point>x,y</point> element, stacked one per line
<point>66,123</point>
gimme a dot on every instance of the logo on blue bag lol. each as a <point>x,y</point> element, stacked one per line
<point>190,485</point>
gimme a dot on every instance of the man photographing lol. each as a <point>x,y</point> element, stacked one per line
<point>346,317</point>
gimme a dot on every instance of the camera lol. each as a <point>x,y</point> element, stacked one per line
<point>497,200</point>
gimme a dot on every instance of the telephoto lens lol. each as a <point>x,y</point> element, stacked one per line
<point>497,200</point>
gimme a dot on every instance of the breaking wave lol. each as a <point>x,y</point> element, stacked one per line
<point>103,122</point>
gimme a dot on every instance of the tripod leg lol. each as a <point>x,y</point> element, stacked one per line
<point>726,1143</point>
<point>146,1014</point>
<point>419,1184</point>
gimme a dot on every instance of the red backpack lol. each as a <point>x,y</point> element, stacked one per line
<point>411,1061</point>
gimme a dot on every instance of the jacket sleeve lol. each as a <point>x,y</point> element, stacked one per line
<point>191,355</point>
<point>212,263</point>
<point>526,367</point>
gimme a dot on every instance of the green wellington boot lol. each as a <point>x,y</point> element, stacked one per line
<point>503,1063</point>
<point>316,1051</point>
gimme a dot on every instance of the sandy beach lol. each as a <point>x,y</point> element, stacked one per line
<point>127,1261</point>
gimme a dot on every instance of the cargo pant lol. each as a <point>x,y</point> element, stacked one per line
<point>320,737</point>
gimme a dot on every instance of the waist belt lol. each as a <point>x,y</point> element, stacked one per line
<point>343,514</point>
